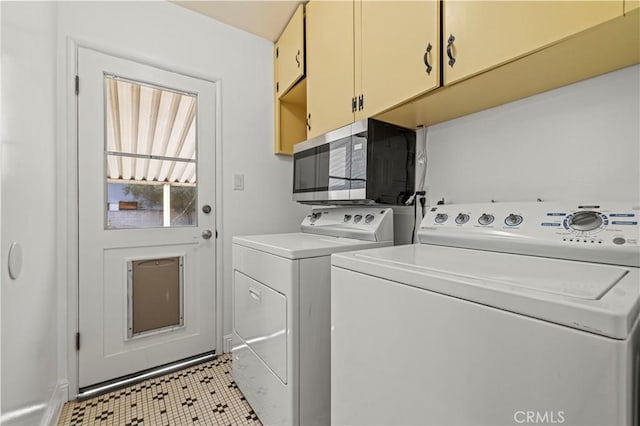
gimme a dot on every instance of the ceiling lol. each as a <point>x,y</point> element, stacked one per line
<point>265,18</point>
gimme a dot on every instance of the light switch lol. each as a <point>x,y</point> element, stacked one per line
<point>238,182</point>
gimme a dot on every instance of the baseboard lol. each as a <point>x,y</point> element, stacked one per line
<point>54,406</point>
<point>46,414</point>
<point>226,343</point>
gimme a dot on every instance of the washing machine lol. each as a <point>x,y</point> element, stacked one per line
<point>504,314</point>
<point>281,318</point>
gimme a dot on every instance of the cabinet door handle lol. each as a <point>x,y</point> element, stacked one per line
<point>298,58</point>
<point>309,121</point>
<point>255,294</point>
<point>426,58</point>
<point>450,41</point>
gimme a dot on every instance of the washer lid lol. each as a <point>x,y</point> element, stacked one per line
<point>588,281</point>
<point>301,245</point>
<point>599,298</point>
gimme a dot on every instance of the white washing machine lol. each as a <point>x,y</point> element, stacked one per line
<point>505,314</point>
<point>281,317</point>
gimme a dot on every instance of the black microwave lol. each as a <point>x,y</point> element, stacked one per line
<point>369,161</point>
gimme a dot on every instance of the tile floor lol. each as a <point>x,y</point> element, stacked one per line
<point>204,394</point>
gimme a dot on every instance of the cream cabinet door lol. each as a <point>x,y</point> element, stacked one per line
<point>480,34</point>
<point>397,52</point>
<point>330,85</point>
<point>629,5</point>
<point>290,53</point>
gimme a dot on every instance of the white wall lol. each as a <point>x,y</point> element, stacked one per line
<point>29,308</point>
<point>579,143</point>
<point>164,34</point>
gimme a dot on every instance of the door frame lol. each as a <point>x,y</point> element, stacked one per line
<point>67,205</point>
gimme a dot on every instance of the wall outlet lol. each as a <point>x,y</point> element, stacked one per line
<point>238,182</point>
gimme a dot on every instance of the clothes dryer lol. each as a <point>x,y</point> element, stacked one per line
<point>281,318</point>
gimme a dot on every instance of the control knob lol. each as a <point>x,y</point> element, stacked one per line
<point>441,217</point>
<point>357,218</point>
<point>513,220</point>
<point>486,219</point>
<point>462,218</point>
<point>585,221</point>
<point>347,217</point>
<point>315,216</point>
<point>368,218</point>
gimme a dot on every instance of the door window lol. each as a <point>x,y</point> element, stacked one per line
<point>150,155</point>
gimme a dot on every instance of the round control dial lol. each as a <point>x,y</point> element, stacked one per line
<point>315,216</point>
<point>368,218</point>
<point>441,218</point>
<point>513,220</point>
<point>486,219</point>
<point>347,217</point>
<point>585,221</point>
<point>462,218</point>
<point>357,218</point>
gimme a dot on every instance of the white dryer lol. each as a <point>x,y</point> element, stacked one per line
<point>281,317</point>
<point>505,314</point>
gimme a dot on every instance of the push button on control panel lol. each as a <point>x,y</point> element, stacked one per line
<point>619,241</point>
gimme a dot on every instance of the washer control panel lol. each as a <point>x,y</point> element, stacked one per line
<point>534,227</point>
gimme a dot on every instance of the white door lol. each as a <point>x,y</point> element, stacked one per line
<point>146,217</point>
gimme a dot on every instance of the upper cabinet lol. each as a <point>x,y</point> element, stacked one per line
<point>629,5</point>
<point>289,53</point>
<point>422,62</point>
<point>367,56</point>
<point>608,45</point>
<point>479,35</point>
<point>329,34</point>
<point>397,52</point>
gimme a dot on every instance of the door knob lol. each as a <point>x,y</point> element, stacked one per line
<point>206,209</point>
<point>207,234</point>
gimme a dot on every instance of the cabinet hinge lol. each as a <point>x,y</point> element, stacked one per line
<point>77,84</point>
<point>77,341</point>
<point>216,234</point>
<point>353,104</point>
<point>277,51</point>
<point>360,102</point>
<point>277,86</point>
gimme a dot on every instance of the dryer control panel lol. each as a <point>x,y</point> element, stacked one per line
<point>363,223</point>
<point>594,232</point>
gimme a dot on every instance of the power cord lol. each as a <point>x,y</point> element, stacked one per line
<point>422,200</point>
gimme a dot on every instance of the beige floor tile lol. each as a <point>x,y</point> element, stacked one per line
<point>204,394</point>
